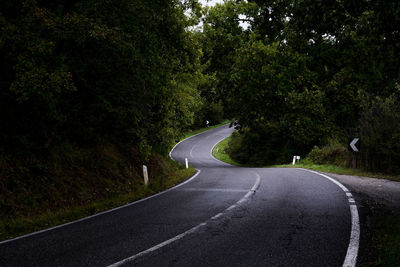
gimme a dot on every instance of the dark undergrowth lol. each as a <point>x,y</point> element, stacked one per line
<point>386,238</point>
<point>71,182</point>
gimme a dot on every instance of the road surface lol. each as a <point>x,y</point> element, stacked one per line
<point>224,216</point>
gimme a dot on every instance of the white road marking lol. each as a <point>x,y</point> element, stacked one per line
<point>190,231</point>
<point>212,156</point>
<point>191,151</point>
<point>196,145</point>
<point>163,244</point>
<point>208,131</point>
<point>216,216</point>
<point>103,212</point>
<point>170,153</point>
<point>213,190</point>
<point>352,250</point>
<point>114,209</point>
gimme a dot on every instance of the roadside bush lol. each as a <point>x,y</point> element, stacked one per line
<point>259,147</point>
<point>234,148</point>
<point>332,153</point>
<point>212,112</point>
<point>379,128</point>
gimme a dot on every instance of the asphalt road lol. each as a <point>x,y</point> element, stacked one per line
<point>224,216</point>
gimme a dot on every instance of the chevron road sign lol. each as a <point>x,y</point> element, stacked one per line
<point>353,144</point>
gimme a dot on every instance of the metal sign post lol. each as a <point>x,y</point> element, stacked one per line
<point>354,151</point>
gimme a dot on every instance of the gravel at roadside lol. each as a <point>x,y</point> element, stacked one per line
<point>381,190</point>
<point>378,202</point>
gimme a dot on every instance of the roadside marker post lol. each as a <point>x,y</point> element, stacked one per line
<point>187,163</point>
<point>145,175</point>
<point>296,159</point>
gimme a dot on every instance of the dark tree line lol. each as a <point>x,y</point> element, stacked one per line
<point>91,72</point>
<point>305,73</point>
<point>132,72</point>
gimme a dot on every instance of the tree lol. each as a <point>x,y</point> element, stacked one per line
<point>97,71</point>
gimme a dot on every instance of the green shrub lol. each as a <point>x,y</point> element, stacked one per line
<point>212,112</point>
<point>379,129</point>
<point>332,153</point>
<point>234,149</point>
<point>259,147</point>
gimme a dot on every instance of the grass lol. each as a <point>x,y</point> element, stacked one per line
<point>306,164</point>
<point>220,153</point>
<point>385,224</point>
<point>23,225</point>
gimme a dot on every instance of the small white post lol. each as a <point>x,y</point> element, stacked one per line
<point>145,175</point>
<point>187,163</point>
<point>294,160</point>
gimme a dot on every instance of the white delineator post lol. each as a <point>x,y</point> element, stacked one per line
<point>187,163</point>
<point>145,175</point>
<point>294,160</point>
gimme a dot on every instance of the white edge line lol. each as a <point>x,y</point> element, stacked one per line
<point>212,156</point>
<point>352,250</point>
<point>103,212</point>
<point>170,153</point>
<point>191,230</point>
<point>117,208</point>
<point>114,209</point>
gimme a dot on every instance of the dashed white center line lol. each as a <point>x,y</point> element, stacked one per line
<point>190,231</point>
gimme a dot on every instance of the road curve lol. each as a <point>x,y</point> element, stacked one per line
<point>225,216</point>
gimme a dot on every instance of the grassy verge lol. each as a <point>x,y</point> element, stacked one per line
<point>337,170</point>
<point>384,224</point>
<point>43,218</point>
<point>220,153</point>
<point>28,224</point>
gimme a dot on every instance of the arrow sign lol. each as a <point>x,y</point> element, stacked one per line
<point>353,144</point>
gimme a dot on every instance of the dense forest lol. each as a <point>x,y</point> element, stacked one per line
<point>308,74</point>
<point>93,89</point>
<point>90,91</point>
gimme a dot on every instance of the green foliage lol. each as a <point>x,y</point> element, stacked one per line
<point>97,71</point>
<point>222,36</point>
<point>275,97</point>
<point>53,195</point>
<point>333,153</point>
<point>296,77</point>
<point>379,128</point>
<point>235,148</point>
<point>212,112</point>
<point>90,91</point>
<point>385,237</point>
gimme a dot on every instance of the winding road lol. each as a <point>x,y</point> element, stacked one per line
<point>222,216</point>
